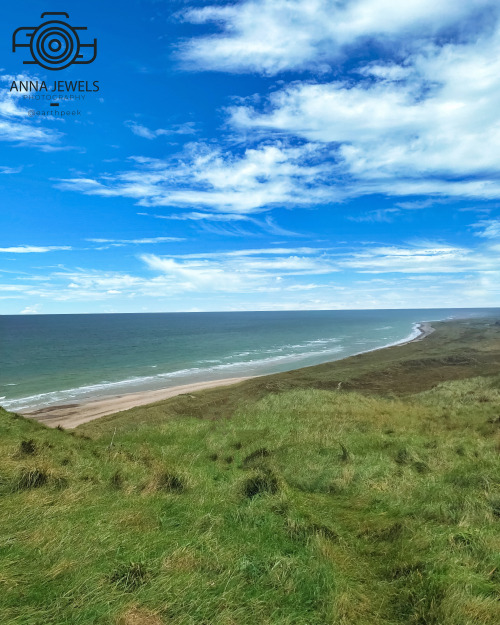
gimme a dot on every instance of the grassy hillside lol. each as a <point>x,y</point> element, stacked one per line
<point>293,501</point>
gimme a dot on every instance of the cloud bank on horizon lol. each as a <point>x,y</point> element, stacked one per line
<point>283,154</point>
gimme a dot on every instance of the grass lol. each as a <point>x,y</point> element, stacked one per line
<point>292,502</point>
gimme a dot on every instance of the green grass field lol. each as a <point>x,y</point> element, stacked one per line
<point>361,492</point>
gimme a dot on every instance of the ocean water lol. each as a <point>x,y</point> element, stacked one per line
<point>59,359</point>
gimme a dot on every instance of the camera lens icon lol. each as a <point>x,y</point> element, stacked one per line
<point>54,44</point>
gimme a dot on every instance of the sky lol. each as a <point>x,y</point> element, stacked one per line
<point>255,155</point>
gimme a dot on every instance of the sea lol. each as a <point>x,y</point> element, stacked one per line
<point>48,360</point>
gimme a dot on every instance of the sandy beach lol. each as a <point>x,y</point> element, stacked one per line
<point>71,416</point>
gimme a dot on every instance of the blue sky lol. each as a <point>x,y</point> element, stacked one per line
<point>257,155</point>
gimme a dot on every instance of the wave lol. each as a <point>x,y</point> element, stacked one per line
<point>289,347</point>
<point>416,331</point>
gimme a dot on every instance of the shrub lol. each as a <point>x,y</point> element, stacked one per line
<point>31,478</point>
<point>28,448</point>
<point>130,576</point>
<point>171,482</point>
<point>260,483</point>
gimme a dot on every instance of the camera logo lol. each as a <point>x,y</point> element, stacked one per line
<point>54,44</point>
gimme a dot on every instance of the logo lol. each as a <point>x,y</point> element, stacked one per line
<point>54,44</point>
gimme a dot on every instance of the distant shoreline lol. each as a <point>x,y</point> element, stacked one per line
<point>72,415</point>
<point>425,329</point>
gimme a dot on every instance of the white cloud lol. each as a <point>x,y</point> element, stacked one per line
<point>488,228</point>
<point>122,242</point>
<point>274,250</point>
<point>201,275</point>
<point>33,249</point>
<point>435,129</point>
<point>142,131</point>
<point>208,178</point>
<point>203,220</point>
<point>423,120</point>
<point>146,133</point>
<point>13,287</point>
<point>84,284</point>
<point>420,274</point>
<point>194,216</point>
<point>381,214</point>
<point>31,310</point>
<point>267,251</point>
<point>270,36</point>
<point>424,258</point>
<point>238,272</point>
<point>10,170</point>
<point>235,271</point>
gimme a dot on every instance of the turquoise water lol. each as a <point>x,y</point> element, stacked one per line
<point>58,359</point>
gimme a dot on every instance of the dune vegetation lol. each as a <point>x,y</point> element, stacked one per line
<point>362,492</point>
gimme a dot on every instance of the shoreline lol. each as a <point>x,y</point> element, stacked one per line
<point>72,415</point>
<point>425,328</point>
